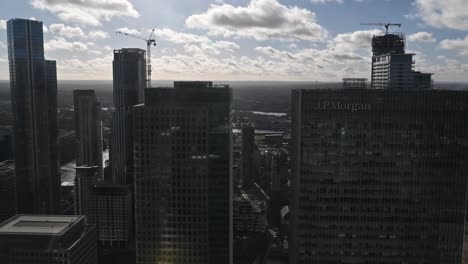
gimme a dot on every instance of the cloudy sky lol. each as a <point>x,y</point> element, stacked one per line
<point>304,40</point>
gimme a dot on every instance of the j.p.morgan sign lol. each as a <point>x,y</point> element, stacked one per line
<point>341,106</point>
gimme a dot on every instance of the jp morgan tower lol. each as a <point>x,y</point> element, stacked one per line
<point>379,176</point>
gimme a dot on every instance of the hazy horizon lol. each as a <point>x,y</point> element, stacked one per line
<point>238,81</point>
<point>250,40</point>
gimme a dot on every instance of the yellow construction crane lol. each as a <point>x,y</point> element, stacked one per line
<point>149,41</point>
<point>386,25</point>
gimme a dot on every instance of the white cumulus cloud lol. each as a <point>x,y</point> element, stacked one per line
<point>331,1</point>
<point>216,48</point>
<point>66,31</point>
<point>451,14</point>
<point>227,45</point>
<point>326,1</point>
<point>354,40</point>
<point>60,43</point>
<point>459,45</point>
<point>97,34</point>
<point>261,20</point>
<point>179,37</point>
<point>95,68</point>
<point>275,53</point>
<point>95,52</point>
<point>87,12</point>
<point>269,64</point>
<point>421,37</point>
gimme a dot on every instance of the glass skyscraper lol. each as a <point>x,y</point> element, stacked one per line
<point>379,176</point>
<point>88,130</point>
<point>33,84</point>
<point>129,73</point>
<point>183,180</point>
<point>248,174</point>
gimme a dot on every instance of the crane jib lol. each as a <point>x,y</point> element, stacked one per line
<point>148,41</point>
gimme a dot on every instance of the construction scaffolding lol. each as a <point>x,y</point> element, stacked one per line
<point>393,43</point>
<point>354,83</point>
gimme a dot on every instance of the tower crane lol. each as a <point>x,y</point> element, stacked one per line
<point>386,25</point>
<point>149,41</point>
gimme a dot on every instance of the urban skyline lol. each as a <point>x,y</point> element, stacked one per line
<point>184,31</point>
<point>372,170</point>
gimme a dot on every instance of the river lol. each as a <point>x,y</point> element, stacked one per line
<point>67,171</point>
<point>277,114</point>
<point>268,113</point>
<point>258,131</point>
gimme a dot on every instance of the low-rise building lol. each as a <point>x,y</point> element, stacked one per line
<point>8,207</point>
<point>113,215</point>
<point>45,239</point>
<point>249,216</point>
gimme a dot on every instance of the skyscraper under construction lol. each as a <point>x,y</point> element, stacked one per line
<point>392,67</point>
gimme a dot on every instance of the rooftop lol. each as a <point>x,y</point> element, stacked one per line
<point>39,224</point>
<point>129,50</point>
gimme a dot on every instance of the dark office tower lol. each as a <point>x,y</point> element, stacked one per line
<point>7,190</point>
<point>67,147</point>
<point>33,95</point>
<point>279,170</point>
<point>113,215</point>
<point>40,239</point>
<point>248,152</point>
<point>88,130</point>
<point>107,172</point>
<point>85,180</point>
<point>379,176</point>
<point>6,142</point>
<point>183,181</point>
<point>129,83</point>
<point>51,84</point>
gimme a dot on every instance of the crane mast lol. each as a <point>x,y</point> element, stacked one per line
<point>149,41</point>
